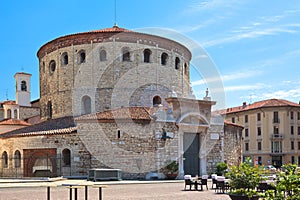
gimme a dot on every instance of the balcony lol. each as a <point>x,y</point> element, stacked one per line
<point>276,121</point>
<point>277,137</point>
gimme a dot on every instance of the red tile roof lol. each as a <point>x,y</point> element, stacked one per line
<point>261,104</point>
<point>64,125</point>
<point>14,122</point>
<point>114,29</point>
<point>134,113</point>
<point>9,102</point>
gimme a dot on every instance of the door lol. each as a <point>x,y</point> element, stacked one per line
<point>191,153</point>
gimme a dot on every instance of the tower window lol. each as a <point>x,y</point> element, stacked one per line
<point>81,57</point>
<point>186,70</point>
<point>102,55</point>
<point>17,159</point>
<point>16,114</point>
<point>86,105</point>
<point>65,58</point>
<point>4,159</point>
<point>125,54</point>
<point>164,58</point>
<point>156,100</point>
<point>52,66</point>
<point>66,153</point>
<point>147,53</point>
<point>23,86</point>
<point>177,63</point>
<point>8,113</point>
<point>49,110</point>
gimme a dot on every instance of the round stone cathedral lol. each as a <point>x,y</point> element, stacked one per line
<point>110,68</point>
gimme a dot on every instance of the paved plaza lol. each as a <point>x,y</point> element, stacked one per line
<point>115,190</point>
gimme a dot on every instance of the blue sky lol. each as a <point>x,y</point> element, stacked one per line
<point>254,44</point>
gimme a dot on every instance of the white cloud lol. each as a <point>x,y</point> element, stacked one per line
<point>228,77</point>
<point>244,87</point>
<point>283,94</point>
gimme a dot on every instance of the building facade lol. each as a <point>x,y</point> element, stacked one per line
<point>271,133</point>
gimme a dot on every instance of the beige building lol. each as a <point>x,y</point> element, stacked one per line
<point>271,130</point>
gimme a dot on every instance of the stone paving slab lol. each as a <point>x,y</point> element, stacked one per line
<point>116,190</point>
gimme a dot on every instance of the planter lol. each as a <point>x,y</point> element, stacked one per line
<point>242,197</point>
<point>171,176</point>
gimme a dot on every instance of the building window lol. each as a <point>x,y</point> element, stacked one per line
<point>177,63</point>
<point>259,146</point>
<point>292,130</point>
<point>298,115</point>
<point>276,130</point>
<point>156,101</point>
<point>276,147</point>
<point>259,160</point>
<point>102,55</point>
<point>164,58</point>
<point>147,54</point>
<point>246,118</point>
<point>23,86</point>
<point>17,159</point>
<point>119,134</point>
<point>49,110</point>
<point>292,145</point>
<point>293,159</point>
<point>246,146</point>
<point>125,54</point>
<point>275,117</point>
<point>16,114</point>
<point>52,66</point>
<point>258,117</point>
<point>292,115</point>
<point>298,145</point>
<point>4,160</point>
<point>81,57</point>
<point>66,153</point>
<point>65,58</point>
<point>8,113</point>
<point>298,160</point>
<point>86,105</point>
<point>246,132</point>
<point>298,130</point>
<point>258,131</point>
<point>233,120</point>
<point>186,69</point>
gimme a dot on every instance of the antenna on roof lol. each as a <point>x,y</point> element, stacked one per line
<point>115,23</point>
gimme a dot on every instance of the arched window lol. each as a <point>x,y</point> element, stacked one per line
<point>81,56</point>
<point>86,105</point>
<point>126,54</point>
<point>52,66</point>
<point>147,54</point>
<point>4,160</point>
<point>49,110</point>
<point>164,58</point>
<point>156,101</point>
<point>102,55</point>
<point>16,114</point>
<point>23,86</point>
<point>8,113</point>
<point>186,69</point>
<point>66,153</point>
<point>65,58</point>
<point>17,159</point>
<point>177,63</point>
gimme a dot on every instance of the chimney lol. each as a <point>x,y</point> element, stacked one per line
<point>244,105</point>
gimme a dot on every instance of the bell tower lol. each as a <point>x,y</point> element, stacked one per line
<point>23,88</point>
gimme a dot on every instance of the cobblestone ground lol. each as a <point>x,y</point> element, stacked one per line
<point>159,191</point>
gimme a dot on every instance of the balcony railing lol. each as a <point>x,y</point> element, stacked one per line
<point>276,120</point>
<point>277,136</point>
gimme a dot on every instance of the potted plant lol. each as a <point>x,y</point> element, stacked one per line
<point>171,169</point>
<point>221,168</point>
<point>244,179</point>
